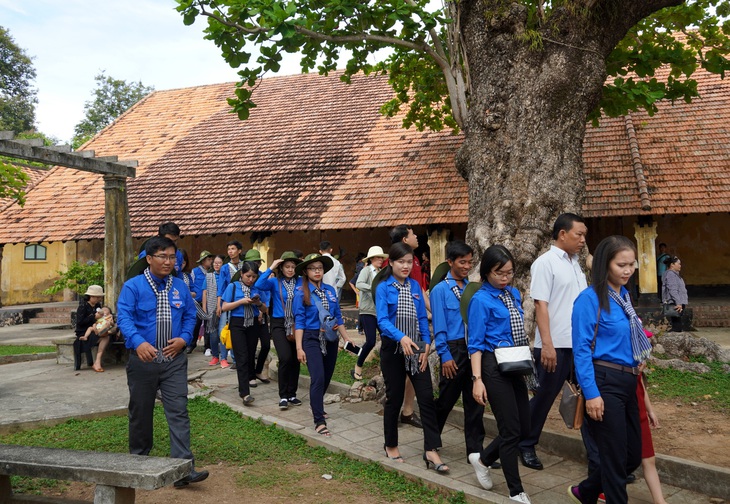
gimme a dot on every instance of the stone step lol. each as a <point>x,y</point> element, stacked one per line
<point>703,322</point>
<point>51,320</point>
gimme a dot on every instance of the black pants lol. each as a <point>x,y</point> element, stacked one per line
<point>618,437</point>
<point>288,373</point>
<point>369,325</point>
<point>321,368</point>
<point>171,378</point>
<point>83,348</point>
<point>542,401</point>
<point>392,364</point>
<point>461,386</point>
<point>264,336</point>
<point>507,395</point>
<point>242,339</point>
<point>196,332</point>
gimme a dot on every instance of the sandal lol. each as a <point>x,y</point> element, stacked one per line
<point>397,459</point>
<point>322,430</point>
<point>355,376</point>
<point>263,380</point>
<point>439,468</point>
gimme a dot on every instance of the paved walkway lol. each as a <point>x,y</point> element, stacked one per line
<point>43,392</point>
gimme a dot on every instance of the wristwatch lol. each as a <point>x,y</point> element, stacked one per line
<point>475,378</point>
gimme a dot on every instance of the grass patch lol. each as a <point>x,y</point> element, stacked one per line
<point>711,388</point>
<point>345,362</point>
<point>219,434</point>
<point>25,349</point>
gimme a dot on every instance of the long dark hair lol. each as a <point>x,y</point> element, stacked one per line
<point>495,256</point>
<point>602,257</point>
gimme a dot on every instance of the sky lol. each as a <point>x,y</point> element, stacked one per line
<point>71,41</point>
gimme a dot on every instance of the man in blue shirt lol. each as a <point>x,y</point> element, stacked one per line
<point>450,340</point>
<point>156,314</point>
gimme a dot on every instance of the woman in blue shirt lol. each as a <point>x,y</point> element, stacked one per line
<point>281,290</point>
<point>403,322</point>
<point>608,345</point>
<point>495,319</point>
<point>243,300</point>
<point>313,349</point>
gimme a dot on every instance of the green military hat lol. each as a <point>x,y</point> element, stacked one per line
<point>326,261</point>
<point>466,296</point>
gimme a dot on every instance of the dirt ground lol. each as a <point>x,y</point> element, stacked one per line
<point>690,432</point>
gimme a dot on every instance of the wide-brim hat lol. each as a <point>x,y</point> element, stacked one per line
<point>438,274</point>
<point>94,290</point>
<point>375,251</point>
<point>253,255</point>
<point>289,256</point>
<point>204,255</point>
<point>326,261</point>
<point>379,277</point>
<point>466,296</point>
<point>137,268</point>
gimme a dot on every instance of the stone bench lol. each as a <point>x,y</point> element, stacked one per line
<point>115,353</point>
<point>116,475</point>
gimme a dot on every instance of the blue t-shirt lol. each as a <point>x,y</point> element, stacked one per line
<point>446,316</point>
<point>307,317</point>
<point>233,293</point>
<point>386,307</point>
<point>488,317</point>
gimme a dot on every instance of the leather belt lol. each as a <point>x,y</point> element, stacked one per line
<point>626,369</point>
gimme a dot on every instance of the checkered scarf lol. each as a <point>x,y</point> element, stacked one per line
<point>211,288</point>
<point>640,345</point>
<point>289,285</point>
<point>247,308</point>
<point>163,314</point>
<point>406,321</point>
<point>519,336</point>
<point>322,341</point>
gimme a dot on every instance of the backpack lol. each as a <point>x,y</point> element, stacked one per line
<point>327,322</point>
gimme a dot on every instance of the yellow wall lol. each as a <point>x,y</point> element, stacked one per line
<point>23,281</point>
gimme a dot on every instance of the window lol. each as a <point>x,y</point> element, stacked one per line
<point>35,253</point>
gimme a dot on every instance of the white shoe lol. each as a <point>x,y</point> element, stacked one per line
<point>522,497</point>
<point>481,471</point>
<point>208,353</point>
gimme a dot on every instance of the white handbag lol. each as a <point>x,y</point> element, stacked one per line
<point>514,360</point>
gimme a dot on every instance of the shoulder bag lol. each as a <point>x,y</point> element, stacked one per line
<point>327,322</point>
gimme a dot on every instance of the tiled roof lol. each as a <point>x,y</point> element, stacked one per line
<point>316,154</point>
<point>684,150</point>
<point>35,175</point>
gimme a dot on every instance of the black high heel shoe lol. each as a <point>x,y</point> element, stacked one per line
<point>439,468</point>
<point>397,459</point>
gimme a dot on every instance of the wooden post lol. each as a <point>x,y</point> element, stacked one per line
<point>117,237</point>
<point>437,244</point>
<point>645,237</point>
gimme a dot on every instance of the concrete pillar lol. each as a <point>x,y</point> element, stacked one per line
<point>69,256</point>
<point>437,243</point>
<point>104,494</point>
<point>645,240</point>
<point>117,237</point>
<point>266,248</point>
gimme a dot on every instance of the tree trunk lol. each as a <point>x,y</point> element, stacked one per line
<point>522,153</point>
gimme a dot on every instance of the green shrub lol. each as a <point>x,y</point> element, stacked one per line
<point>78,277</point>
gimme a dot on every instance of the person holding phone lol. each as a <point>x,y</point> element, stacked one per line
<point>406,341</point>
<point>242,299</point>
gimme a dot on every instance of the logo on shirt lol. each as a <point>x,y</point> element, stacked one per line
<point>416,296</point>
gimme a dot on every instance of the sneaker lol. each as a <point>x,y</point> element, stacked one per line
<point>574,494</point>
<point>248,400</point>
<point>193,477</point>
<point>481,471</point>
<point>521,497</point>
<point>293,401</point>
<point>283,404</point>
<point>224,364</point>
<point>208,353</point>
<point>214,361</point>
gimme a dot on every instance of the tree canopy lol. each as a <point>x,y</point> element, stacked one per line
<point>112,97</point>
<point>428,66</point>
<point>17,94</point>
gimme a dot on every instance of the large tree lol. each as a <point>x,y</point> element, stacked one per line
<point>112,97</point>
<point>17,94</point>
<point>521,79</point>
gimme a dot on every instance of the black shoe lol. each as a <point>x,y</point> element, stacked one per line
<point>193,477</point>
<point>630,478</point>
<point>496,465</point>
<point>189,350</point>
<point>529,459</point>
<point>411,419</point>
<point>293,401</point>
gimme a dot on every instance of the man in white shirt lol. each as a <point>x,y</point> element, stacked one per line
<point>557,279</point>
<point>336,276</point>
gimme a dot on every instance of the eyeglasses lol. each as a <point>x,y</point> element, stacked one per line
<point>316,269</point>
<point>165,258</point>
<point>506,275</point>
